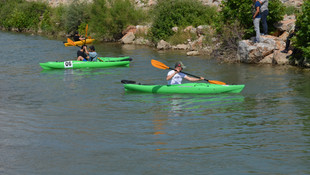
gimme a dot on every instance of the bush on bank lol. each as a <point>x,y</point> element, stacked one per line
<point>110,17</point>
<point>66,19</point>
<point>21,15</point>
<point>107,18</point>
<point>179,13</point>
<point>301,55</point>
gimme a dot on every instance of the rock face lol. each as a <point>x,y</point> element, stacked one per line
<point>268,51</point>
<point>265,52</point>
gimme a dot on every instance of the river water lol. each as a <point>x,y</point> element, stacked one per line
<point>83,122</point>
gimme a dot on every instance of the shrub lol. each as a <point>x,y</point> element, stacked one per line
<point>110,18</point>
<point>76,14</point>
<point>99,17</point>
<point>290,10</point>
<point>180,13</point>
<point>302,40</point>
<point>230,35</point>
<point>21,14</point>
<point>180,37</point>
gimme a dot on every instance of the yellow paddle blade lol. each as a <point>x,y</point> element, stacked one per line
<point>86,31</point>
<point>159,65</point>
<point>216,82</point>
<point>71,42</point>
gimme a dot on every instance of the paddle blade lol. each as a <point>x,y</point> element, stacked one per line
<point>159,65</point>
<point>216,82</point>
<point>86,31</point>
<point>128,82</point>
<point>71,42</point>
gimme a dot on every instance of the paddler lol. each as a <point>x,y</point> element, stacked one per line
<point>82,54</point>
<point>92,53</point>
<point>176,76</point>
<point>77,36</point>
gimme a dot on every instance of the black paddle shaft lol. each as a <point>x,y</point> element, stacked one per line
<point>189,74</point>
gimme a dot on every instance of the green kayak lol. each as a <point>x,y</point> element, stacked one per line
<point>186,88</point>
<point>112,59</point>
<point>102,62</point>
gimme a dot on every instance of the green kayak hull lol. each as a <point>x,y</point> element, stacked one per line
<point>186,88</point>
<point>106,62</point>
<point>112,59</point>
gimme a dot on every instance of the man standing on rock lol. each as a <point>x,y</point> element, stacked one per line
<point>256,19</point>
<point>264,13</point>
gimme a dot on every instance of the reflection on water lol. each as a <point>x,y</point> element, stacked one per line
<point>198,104</point>
<point>183,103</point>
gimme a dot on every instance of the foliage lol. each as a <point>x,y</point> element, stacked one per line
<point>290,10</point>
<point>179,13</point>
<point>99,17</point>
<point>110,17</point>
<point>21,14</point>
<point>276,13</point>
<point>241,10</point>
<point>181,37</point>
<point>230,35</point>
<point>76,14</point>
<point>302,41</point>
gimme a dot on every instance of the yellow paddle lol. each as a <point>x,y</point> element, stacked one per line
<point>71,42</point>
<point>161,65</point>
<point>86,33</point>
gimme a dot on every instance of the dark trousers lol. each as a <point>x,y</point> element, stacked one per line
<point>264,15</point>
<point>288,41</point>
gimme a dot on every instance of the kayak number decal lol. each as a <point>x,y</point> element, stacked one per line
<point>68,64</point>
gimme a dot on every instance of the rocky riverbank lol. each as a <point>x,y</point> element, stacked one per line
<point>268,51</point>
<point>203,40</point>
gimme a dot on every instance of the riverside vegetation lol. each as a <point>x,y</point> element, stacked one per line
<point>107,19</point>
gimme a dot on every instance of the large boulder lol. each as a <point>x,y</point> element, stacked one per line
<point>265,52</point>
<point>287,24</point>
<point>197,44</point>
<point>128,38</point>
<point>130,28</point>
<point>163,45</point>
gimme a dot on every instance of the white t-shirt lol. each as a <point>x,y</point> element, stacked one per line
<point>176,79</point>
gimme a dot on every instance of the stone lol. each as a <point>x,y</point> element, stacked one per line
<point>163,45</point>
<point>181,47</point>
<point>192,53</point>
<point>267,60</point>
<point>280,58</point>
<point>130,28</point>
<point>128,38</point>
